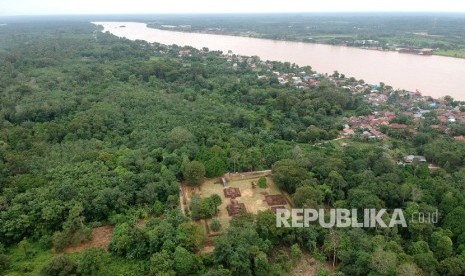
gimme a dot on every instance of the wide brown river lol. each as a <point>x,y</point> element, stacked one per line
<point>432,75</point>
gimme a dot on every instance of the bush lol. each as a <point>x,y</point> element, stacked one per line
<point>215,225</point>
<point>204,207</point>
<point>25,248</point>
<point>92,262</point>
<point>296,253</point>
<point>4,262</point>
<point>59,266</point>
<point>45,242</point>
<point>322,272</point>
<point>158,208</point>
<point>26,268</point>
<point>262,182</point>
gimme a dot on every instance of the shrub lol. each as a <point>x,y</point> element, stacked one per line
<point>59,265</point>
<point>296,253</point>
<point>262,182</point>
<point>92,262</point>
<point>4,262</point>
<point>215,225</point>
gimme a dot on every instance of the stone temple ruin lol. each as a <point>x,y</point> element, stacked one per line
<point>235,208</point>
<point>231,192</point>
<point>274,200</point>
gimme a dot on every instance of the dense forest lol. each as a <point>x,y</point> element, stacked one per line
<point>100,131</point>
<point>442,32</point>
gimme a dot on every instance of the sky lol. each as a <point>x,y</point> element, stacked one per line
<point>64,7</point>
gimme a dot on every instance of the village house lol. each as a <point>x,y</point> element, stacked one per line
<point>347,131</point>
<point>413,158</point>
<point>185,52</point>
<point>398,126</point>
<point>442,118</point>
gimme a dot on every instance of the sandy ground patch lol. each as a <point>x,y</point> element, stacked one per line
<point>207,249</point>
<point>247,192</point>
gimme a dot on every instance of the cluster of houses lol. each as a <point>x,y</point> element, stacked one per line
<point>370,125</point>
<point>302,80</point>
<point>415,106</point>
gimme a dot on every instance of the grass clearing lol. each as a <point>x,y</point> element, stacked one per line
<point>253,198</point>
<point>27,264</point>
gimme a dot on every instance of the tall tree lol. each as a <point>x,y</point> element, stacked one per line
<point>194,173</point>
<point>288,174</point>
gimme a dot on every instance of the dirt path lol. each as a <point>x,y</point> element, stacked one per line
<point>325,142</point>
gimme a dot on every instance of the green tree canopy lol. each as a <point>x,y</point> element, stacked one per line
<point>194,173</point>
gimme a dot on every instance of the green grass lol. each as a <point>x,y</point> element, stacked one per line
<point>32,264</point>
<point>451,53</point>
<point>21,265</point>
<point>122,266</point>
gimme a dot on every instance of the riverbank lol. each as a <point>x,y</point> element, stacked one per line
<point>451,53</point>
<point>459,53</point>
<point>441,32</point>
<point>432,75</point>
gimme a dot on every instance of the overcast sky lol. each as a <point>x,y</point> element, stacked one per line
<point>48,7</point>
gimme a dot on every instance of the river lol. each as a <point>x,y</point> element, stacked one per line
<point>431,75</point>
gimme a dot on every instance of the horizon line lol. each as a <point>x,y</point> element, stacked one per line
<point>238,13</point>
